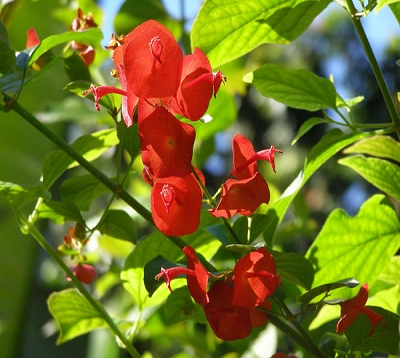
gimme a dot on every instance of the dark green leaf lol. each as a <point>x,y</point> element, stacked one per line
<point>257,226</point>
<point>7,55</point>
<point>73,314</point>
<point>228,29</point>
<point>90,146</point>
<point>129,138</point>
<point>59,212</point>
<point>306,126</point>
<point>395,8</point>
<point>153,268</point>
<point>92,36</point>
<point>18,196</point>
<point>300,89</point>
<point>307,297</point>
<point>82,190</point>
<point>76,68</point>
<point>385,337</point>
<point>119,225</point>
<point>361,246</point>
<point>294,268</point>
<point>379,172</point>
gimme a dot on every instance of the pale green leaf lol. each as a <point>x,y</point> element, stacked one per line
<point>306,126</point>
<point>300,89</point>
<point>228,29</point>
<point>378,146</point>
<point>379,172</point>
<point>90,146</point>
<point>73,314</point>
<point>17,195</point>
<point>383,3</point>
<point>360,246</point>
<point>92,36</point>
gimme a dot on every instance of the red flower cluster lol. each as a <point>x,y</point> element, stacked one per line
<point>353,307</point>
<point>246,189</point>
<point>159,82</point>
<point>237,304</point>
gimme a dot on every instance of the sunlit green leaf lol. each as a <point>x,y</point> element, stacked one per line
<point>379,172</point>
<point>377,146</point>
<point>360,246</point>
<point>119,225</point>
<point>17,195</point>
<point>306,126</point>
<point>295,88</point>
<point>383,3</point>
<point>59,212</point>
<point>90,146</point>
<point>294,268</point>
<point>328,146</point>
<point>228,29</point>
<point>73,314</point>
<point>92,36</point>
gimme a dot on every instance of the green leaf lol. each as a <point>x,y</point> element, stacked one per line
<point>18,196</point>
<point>153,268</point>
<point>119,225</point>
<point>76,69</point>
<point>82,190</point>
<point>383,3</point>
<point>379,172</point>
<point>59,212</point>
<point>228,29</point>
<point>257,223</point>
<point>328,146</point>
<point>92,36</point>
<point>326,288</point>
<point>294,268</point>
<point>300,89</point>
<point>385,338</point>
<point>90,146</point>
<point>7,55</point>
<point>306,126</point>
<point>360,246</point>
<point>395,8</point>
<point>78,87</point>
<point>378,146</point>
<point>73,314</point>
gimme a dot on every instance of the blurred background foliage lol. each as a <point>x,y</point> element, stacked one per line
<point>28,276</point>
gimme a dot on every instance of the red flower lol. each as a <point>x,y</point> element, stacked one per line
<point>197,86</point>
<point>254,278</point>
<point>152,61</point>
<point>32,38</point>
<point>196,275</point>
<point>176,204</point>
<point>166,144</point>
<point>352,308</point>
<point>230,322</point>
<point>244,194</point>
<point>83,272</point>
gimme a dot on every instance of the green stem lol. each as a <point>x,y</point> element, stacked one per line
<point>28,228</point>
<point>115,188</point>
<point>302,337</point>
<point>375,67</point>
